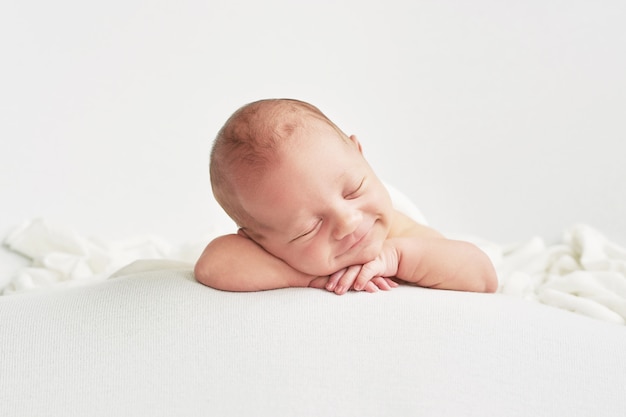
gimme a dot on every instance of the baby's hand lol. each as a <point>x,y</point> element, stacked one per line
<point>384,265</point>
<point>371,277</point>
<point>342,281</point>
<point>375,284</point>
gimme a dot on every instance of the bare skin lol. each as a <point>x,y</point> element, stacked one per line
<point>323,219</point>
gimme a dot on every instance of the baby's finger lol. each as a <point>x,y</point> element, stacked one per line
<point>381,283</point>
<point>367,272</point>
<point>392,283</point>
<point>347,279</point>
<point>319,282</point>
<point>334,278</point>
<point>371,287</point>
<point>389,281</point>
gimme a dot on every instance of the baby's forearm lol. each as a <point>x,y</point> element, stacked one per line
<point>445,264</point>
<point>236,263</point>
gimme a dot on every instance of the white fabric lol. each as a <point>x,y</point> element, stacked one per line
<point>584,272</point>
<point>10,263</point>
<point>61,257</point>
<point>156,343</point>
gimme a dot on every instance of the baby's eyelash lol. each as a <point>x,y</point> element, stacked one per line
<point>308,232</point>
<point>357,189</point>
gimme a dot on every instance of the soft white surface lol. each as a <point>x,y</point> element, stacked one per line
<point>584,272</point>
<point>159,344</point>
<point>502,119</point>
<point>58,256</point>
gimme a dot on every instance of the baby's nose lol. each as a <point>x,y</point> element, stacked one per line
<point>346,223</point>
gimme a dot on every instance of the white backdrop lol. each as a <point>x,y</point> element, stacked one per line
<point>499,119</point>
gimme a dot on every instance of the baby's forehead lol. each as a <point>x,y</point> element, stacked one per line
<point>254,164</point>
<point>260,231</point>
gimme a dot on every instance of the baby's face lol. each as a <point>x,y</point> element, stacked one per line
<point>321,207</point>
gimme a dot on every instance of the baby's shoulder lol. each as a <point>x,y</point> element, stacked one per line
<point>404,204</point>
<point>404,226</point>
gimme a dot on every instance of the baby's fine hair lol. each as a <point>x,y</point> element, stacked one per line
<point>247,144</point>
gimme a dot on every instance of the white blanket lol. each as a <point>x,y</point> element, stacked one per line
<point>54,256</point>
<point>584,272</point>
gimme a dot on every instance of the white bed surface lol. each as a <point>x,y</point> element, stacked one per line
<point>153,342</point>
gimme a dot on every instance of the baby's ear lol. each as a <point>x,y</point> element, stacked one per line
<point>354,140</point>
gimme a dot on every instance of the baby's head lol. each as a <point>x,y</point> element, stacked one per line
<point>299,187</point>
<point>248,144</point>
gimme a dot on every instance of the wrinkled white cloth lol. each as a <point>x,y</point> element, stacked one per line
<point>583,273</point>
<point>60,257</point>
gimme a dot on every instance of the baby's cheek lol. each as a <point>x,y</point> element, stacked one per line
<point>316,260</point>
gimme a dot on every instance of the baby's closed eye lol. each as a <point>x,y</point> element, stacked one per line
<point>356,191</point>
<point>308,232</point>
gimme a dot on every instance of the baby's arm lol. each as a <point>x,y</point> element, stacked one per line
<point>421,256</point>
<point>442,263</point>
<point>237,263</point>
